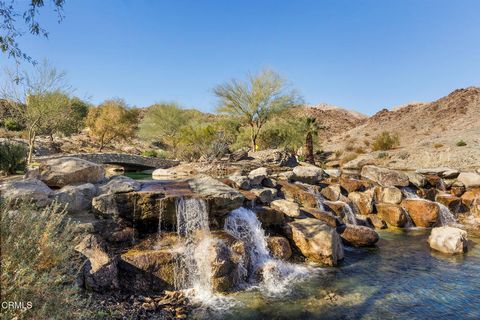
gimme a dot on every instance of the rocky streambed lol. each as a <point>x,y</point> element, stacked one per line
<point>281,241</point>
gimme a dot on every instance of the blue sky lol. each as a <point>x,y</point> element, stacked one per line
<point>359,54</point>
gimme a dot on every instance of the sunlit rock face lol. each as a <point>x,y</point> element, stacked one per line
<point>448,240</point>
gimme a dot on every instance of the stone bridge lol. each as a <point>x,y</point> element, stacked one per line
<point>127,161</point>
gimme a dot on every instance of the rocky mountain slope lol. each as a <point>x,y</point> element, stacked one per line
<point>430,133</point>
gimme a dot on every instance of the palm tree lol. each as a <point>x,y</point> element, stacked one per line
<point>311,130</point>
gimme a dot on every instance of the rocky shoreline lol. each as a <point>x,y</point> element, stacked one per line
<point>304,213</point>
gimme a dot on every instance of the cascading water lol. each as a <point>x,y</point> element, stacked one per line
<point>277,275</point>
<point>161,209</point>
<point>409,193</point>
<point>192,226</point>
<point>347,210</point>
<point>320,200</point>
<point>446,216</point>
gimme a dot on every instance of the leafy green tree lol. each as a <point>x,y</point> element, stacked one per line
<point>255,101</point>
<point>164,122</point>
<point>311,130</point>
<point>12,16</point>
<point>41,102</point>
<point>112,121</point>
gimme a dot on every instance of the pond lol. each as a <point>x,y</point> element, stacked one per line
<point>400,279</point>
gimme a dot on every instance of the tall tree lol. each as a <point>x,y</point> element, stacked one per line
<point>13,14</point>
<point>164,122</point>
<point>112,121</point>
<point>311,131</point>
<point>41,100</point>
<point>255,101</point>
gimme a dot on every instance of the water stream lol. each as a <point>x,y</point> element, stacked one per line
<point>276,275</point>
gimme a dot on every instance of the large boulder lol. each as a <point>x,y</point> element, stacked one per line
<point>391,195</point>
<point>256,176</point>
<point>308,174</point>
<point>66,171</point>
<point>316,240</point>
<point>77,198</point>
<point>299,194</point>
<point>441,172</point>
<point>359,236</point>
<point>265,195</point>
<point>332,192</point>
<point>288,208</point>
<point>269,217</point>
<point>279,247</point>
<point>120,184</point>
<point>240,181</point>
<point>392,214</point>
<point>424,213</point>
<point>470,196</point>
<point>275,157</point>
<point>27,190</point>
<point>416,179</point>
<point>351,184</point>
<point>325,216</point>
<point>385,177</point>
<point>469,179</point>
<point>453,203</point>
<point>448,240</point>
<point>362,201</point>
<point>100,272</point>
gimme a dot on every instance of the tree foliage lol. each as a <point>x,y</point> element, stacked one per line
<point>112,121</point>
<point>11,18</point>
<point>12,156</point>
<point>385,141</point>
<point>255,101</point>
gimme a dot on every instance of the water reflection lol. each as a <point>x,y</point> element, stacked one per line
<point>401,279</point>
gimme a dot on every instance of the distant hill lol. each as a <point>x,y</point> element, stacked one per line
<point>432,129</point>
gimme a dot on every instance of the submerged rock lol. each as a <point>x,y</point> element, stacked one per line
<point>424,213</point>
<point>316,240</point>
<point>65,171</point>
<point>27,190</point>
<point>359,236</point>
<point>385,177</point>
<point>448,240</point>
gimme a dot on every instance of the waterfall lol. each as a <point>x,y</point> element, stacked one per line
<point>320,200</point>
<point>347,210</point>
<point>277,275</point>
<point>409,193</point>
<point>192,224</point>
<point>446,217</point>
<point>161,209</point>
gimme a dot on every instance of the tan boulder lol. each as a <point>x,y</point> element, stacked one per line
<point>424,213</point>
<point>362,201</point>
<point>279,247</point>
<point>392,214</point>
<point>332,192</point>
<point>359,236</point>
<point>299,194</point>
<point>327,217</point>
<point>453,203</point>
<point>351,184</point>
<point>316,240</point>
<point>289,208</point>
<point>388,195</point>
<point>65,171</point>
<point>469,179</point>
<point>376,221</point>
<point>385,177</point>
<point>470,195</point>
<point>269,217</point>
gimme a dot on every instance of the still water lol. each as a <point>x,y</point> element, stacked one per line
<point>400,279</point>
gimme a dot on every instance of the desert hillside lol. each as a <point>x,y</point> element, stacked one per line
<point>429,133</point>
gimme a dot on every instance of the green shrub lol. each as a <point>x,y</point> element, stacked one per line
<point>461,143</point>
<point>382,155</point>
<point>150,153</point>
<point>12,157</point>
<point>12,125</point>
<point>385,141</point>
<point>437,145</point>
<point>39,263</point>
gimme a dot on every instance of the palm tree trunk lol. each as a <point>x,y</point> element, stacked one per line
<point>309,148</point>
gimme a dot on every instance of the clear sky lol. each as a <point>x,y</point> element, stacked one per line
<point>359,54</point>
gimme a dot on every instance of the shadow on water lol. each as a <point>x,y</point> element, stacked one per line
<point>400,279</point>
